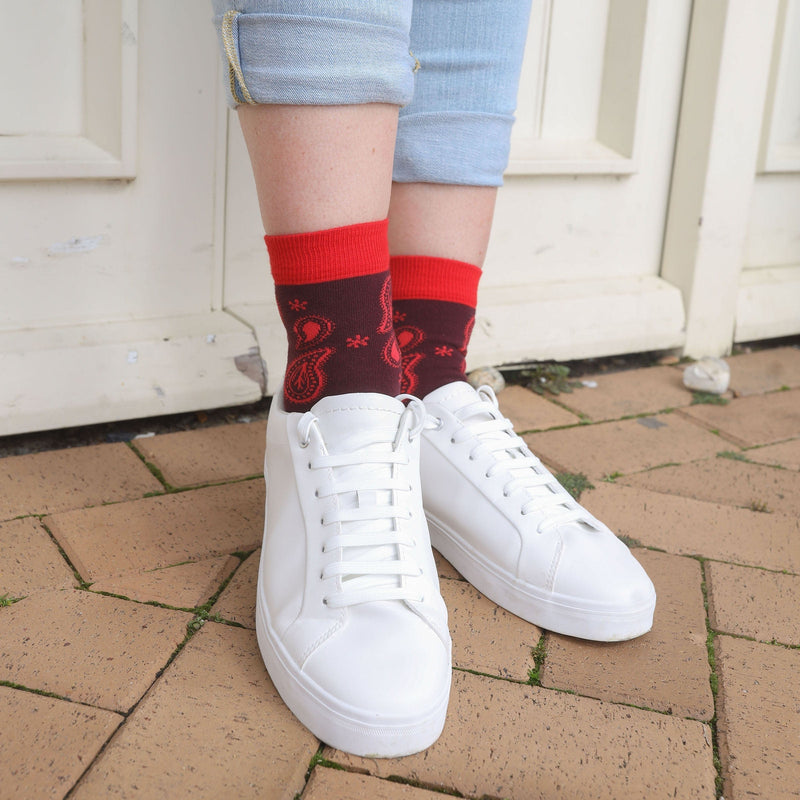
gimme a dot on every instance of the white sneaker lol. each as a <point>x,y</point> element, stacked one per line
<point>350,621</point>
<point>507,525</point>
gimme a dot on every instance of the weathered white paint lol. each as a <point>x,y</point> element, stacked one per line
<point>768,303</point>
<point>725,88</point>
<point>79,374</point>
<point>69,81</point>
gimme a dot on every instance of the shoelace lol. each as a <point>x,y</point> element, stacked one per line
<point>494,434</point>
<point>369,534</point>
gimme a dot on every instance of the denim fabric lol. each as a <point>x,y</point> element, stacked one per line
<point>320,52</point>
<point>457,127</point>
<point>453,66</point>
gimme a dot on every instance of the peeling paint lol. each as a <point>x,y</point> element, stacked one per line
<point>133,356</point>
<point>211,338</point>
<point>253,366</point>
<point>19,261</point>
<point>159,391</point>
<point>78,244</point>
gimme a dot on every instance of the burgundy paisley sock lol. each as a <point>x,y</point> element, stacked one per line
<point>334,296</point>
<point>433,304</point>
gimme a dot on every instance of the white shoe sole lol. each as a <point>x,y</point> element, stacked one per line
<point>556,613</point>
<point>337,724</point>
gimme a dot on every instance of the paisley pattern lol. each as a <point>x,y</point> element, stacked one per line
<point>311,330</point>
<point>409,380</point>
<point>386,324</point>
<point>305,379</point>
<point>409,338</point>
<point>467,334</point>
<point>433,338</point>
<point>391,353</point>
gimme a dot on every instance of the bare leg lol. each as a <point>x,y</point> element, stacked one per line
<point>440,220</point>
<point>319,167</point>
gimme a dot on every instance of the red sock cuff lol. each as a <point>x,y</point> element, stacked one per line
<point>430,278</point>
<point>330,255</point>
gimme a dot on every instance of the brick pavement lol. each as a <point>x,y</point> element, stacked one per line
<point>129,666</point>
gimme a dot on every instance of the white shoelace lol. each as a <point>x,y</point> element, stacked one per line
<point>371,495</point>
<point>494,434</point>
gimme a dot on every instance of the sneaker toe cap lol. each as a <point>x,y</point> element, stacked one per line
<point>387,662</point>
<point>597,569</point>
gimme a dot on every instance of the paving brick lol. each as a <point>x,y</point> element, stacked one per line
<point>58,480</point>
<point>162,531</point>
<point>184,586</point>
<point>532,412</point>
<point>487,638</point>
<point>749,421</point>
<point>52,743</point>
<point>627,446</point>
<point>765,371</point>
<point>207,455</point>
<point>726,481</point>
<point>238,602</point>
<point>509,740</point>
<point>786,454</point>
<point>686,526</point>
<point>666,669</point>
<point>29,560</point>
<point>85,647</point>
<point>753,602</point>
<point>624,394</point>
<point>336,784</point>
<point>212,726</point>
<point>758,724</point>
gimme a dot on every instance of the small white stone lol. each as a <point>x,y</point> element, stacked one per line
<point>589,384</point>
<point>707,375</point>
<point>487,376</point>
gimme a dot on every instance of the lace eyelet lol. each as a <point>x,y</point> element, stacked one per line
<point>452,440</point>
<point>309,465</point>
<point>324,601</point>
<point>305,444</point>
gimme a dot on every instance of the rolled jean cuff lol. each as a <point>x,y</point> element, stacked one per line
<point>295,59</point>
<point>464,148</point>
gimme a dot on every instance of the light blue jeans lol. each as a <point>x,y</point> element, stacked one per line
<point>452,65</point>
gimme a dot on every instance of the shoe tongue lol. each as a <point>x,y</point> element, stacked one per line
<point>453,396</point>
<point>351,421</point>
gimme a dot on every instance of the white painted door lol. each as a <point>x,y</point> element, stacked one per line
<point>732,242</point>
<point>110,271</point>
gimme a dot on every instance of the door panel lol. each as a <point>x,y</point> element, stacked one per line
<point>108,305</point>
